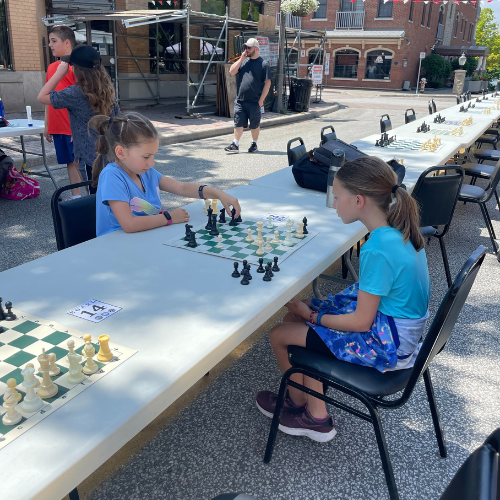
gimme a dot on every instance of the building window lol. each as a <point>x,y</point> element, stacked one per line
<point>462,26</point>
<point>4,38</point>
<point>422,22</point>
<point>250,11</point>
<point>321,12</point>
<point>429,16</point>
<point>378,64</point>
<point>346,64</point>
<point>471,31</point>
<point>315,56</point>
<point>385,9</point>
<point>349,6</point>
<point>456,27</point>
<point>465,29</point>
<point>412,3</point>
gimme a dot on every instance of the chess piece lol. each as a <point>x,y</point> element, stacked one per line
<point>288,240</point>
<point>266,276</point>
<point>261,269</point>
<point>300,230</point>
<point>233,221</point>
<point>249,238</point>
<point>259,238</point>
<point>75,368</point>
<point>269,268</point>
<point>188,231</point>
<point>214,206</point>
<point>219,244</point>
<point>275,267</point>
<point>259,250</point>
<point>47,388</point>
<point>377,144</point>
<point>37,380</point>
<point>2,312</point>
<point>222,216</point>
<point>31,401</point>
<point>292,225</point>
<point>270,224</point>
<point>244,280</point>
<point>236,273</point>
<point>276,240</point>
<point>206,207</point>
<point>249,276</point>
<point>208,226</point>
<point>89,350</point>
<point>104,353</point>
<point>304,220</point>
<point>9,316</point>
<point>53,368</point>
<point>192,240</point>
<point>214,231</point>
<point>12,417</point>
<point>238,219</point>
<point>268,247</point>
<point>11,384</point>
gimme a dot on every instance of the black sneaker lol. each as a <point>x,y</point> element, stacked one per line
<point>252,148</point>
<point>232,148</point>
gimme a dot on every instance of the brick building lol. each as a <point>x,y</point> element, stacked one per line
<point>374,44</point>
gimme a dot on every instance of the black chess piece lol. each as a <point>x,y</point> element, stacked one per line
<point>261,269</point>
<point>208,227</point>
<point>275,268</point>
<point>233,221</point>
<point>188,231</point>
<point>10,316</point>
<point>239,219</point>
<point>236,273</point>
<point>245,262</point>
<point>222,216</point>
<point>2,312</point>
<point>245,280</point>
<point>192,239</point>
<point>418,130</point>
<point>213,230</point>
<point>249,276</point>
<point>377,144</point>
<point>305,231</point>
<point>266,276</point>
<point>268,267</point>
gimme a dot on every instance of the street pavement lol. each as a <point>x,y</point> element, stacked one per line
<point>216,443</point>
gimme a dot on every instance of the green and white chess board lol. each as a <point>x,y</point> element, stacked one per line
<point>235,246</point>
<point>411,144</point>
<point>21,342</point>
<point>444,131</point>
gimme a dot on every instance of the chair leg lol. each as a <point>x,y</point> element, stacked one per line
<point>435,415</point>
<point>445,262</point>
<point>487,220</point>
<point>498,201</point>
<point>73,494</point>
<point>315,287</point>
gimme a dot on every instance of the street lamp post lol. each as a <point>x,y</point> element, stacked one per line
<point>458,84</point>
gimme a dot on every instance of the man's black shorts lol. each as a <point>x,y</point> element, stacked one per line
<point>245,111</point>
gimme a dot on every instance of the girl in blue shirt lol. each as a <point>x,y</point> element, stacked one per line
<point>128,189</point>
<point>377,322</point>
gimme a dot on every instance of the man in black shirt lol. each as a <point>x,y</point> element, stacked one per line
<point>254,81</point>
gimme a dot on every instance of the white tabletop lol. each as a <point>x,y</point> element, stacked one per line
<point>20,127</point>
<point>182,312</point>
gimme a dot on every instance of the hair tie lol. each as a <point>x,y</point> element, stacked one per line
<point>393,190</point>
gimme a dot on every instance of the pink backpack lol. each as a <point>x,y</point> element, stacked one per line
<point>19,187</point>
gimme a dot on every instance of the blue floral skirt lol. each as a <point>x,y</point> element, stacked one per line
<point>376,348</point>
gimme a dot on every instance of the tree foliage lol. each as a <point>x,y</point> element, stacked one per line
<point>488,35</point>
<point>436,67</point>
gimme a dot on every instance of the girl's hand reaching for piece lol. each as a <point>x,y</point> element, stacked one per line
<point>298,308</point>
<point>179,216</point>
<point>228,201</point>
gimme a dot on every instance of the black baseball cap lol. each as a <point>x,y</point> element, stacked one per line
<point>84,56</point>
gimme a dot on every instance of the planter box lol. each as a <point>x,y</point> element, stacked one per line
<point>475,87</point>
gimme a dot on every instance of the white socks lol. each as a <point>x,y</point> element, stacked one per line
<point>73,197</point>
<point>255,142</point>
<point>236,142</point>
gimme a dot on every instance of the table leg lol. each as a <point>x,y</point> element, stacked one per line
<point>44,156</point>
<point>23,150</point>
<point>73,494</point>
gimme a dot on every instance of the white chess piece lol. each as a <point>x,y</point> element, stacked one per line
<point>214,206</point>
<point>268,246</point>
<point>259,238</point>
<point>11,384</point>
<point>37,380</point>
<point>288,240</point>
<point>89,353</point>
<point>249,238</point>
<point>47,388</point>
<point>53,368</point>
<point>300,230</point>
<point>205,208</point>
<point>276,240</point>
<point>12,417</point>
<point>259,250</point>
<point>270,224</point>
<point>31,401</point>
<point>75,368</point>
<point>219,245</point>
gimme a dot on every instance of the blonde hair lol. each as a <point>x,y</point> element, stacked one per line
<point>127,130</point>
<point>97,88</point>
<point>372,177</point>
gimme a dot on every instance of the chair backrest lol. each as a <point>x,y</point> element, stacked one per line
<point>459,99</point>
<point>479,476</point>
<point>410,117</point>
<point>429,106</point>
<point>329,136</point>
<point>74,220</point>
<point>385,124</point>
<point>437,195</point>
<point>434,109</point>
<point>494,180</point>
<point>296,153</point>
<point>445,318</point>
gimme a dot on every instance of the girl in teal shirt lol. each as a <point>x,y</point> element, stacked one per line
<point>377,322</point>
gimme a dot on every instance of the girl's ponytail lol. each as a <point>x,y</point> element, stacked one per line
<point>372,177</point>
<point>100,123</point>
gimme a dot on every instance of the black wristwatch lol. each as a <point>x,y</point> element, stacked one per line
<point>200,191</point>
<point>167,215</point>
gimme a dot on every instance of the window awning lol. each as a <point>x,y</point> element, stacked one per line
<point>468,50</point>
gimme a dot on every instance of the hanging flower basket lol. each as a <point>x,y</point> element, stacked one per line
<point>300,8</point>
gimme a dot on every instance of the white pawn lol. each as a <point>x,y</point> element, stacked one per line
<point>268,246</point>
<point>11,384</point>
<point>89,353</point>
<point>259,250</point>
<point>219,245</point>
<point>300,230</point>
<point>31,401</point>
<point>270,224</point>
<point>53,368</point>
<point>75,368</point>
<point>276,240</point>
<point>249,238</point>
<point>12,417</point>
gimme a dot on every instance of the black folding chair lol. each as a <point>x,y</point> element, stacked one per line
<point>459,99</point>
<point>479,476</point>
<point>437,196</point>
<point>487,155</point>
<point>491,139</point>
<point>480,171</point>
<point>434,109</point>
<point>429,106</point>
<point>385,124</point>
<point>410,117</point>
<point>296,153</point>
<point>329,136</point>
<point>74,220</point>
<point>474,194</point>
<point>371,387</point>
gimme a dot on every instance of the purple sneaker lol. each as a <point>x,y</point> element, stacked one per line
<point>302,423</point>
<point>266,403</point>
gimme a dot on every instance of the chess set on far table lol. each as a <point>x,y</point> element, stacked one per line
<point>64,357</point>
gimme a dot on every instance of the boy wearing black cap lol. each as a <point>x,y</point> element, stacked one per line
<point>92,94</point>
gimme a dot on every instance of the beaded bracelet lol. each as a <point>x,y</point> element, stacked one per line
<point>311,317</point>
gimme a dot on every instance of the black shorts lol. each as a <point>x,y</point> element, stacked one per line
<point>315,343</point>
<point>245,111</point>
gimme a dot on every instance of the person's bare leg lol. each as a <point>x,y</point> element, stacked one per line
<point>238,132</point>
<point>255,133</point>
<point>281,336</point>
<point>74,176</point>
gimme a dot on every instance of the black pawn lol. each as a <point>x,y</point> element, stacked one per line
<point>245,262</point>
<point>213,230</point>
<point>222,216</point>
<point>233,222</point>
<point>188,231</point>
<point>245,280</point>
<point>266,276</point>
<point>239,219</point>
<point>261,269</point>
<point>10,316</point>
<point>269,270</point>
<point>305,231</point>
<point>275,268</point>
<point>209,223</point>
<point>2,312</point>
<point>249,276</point>
<point>236,273</point>
<point>192,240</point>
<point>377,144</point>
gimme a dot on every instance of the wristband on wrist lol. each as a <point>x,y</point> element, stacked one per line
<point>311,318</point>
<point>167,216</point>
<point>200,191</point>
<point>318,318</point>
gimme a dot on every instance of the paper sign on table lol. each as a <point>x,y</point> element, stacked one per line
<point>94,310</point>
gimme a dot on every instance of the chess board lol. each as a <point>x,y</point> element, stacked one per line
<point>443,131</point>
<point>22,342</point>
<point>456,122</point>
<point>235,246</point>
<point>411,144</point>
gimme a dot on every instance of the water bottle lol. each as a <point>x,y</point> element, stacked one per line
<point>338,159</point>
<point>2,111</point>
